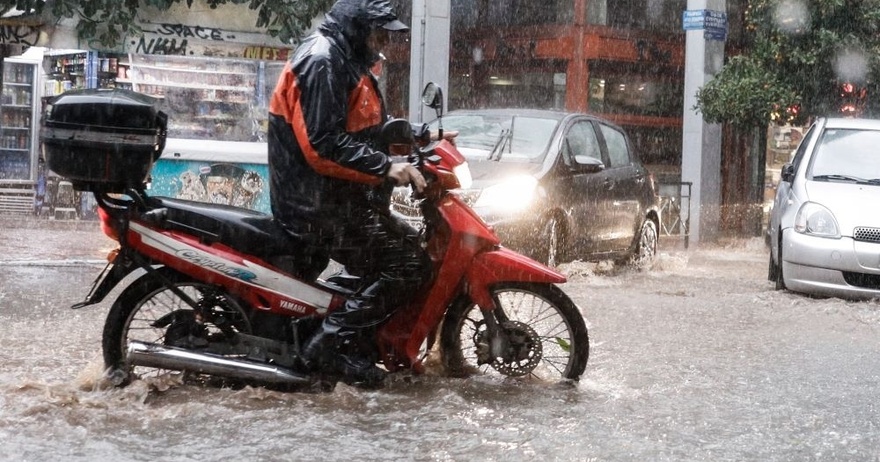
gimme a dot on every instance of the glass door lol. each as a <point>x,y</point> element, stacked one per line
<point>18,117</point>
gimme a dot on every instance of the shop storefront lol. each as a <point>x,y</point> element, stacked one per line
<point>622,60</point>
<point>18,114</point>
<point>213,83</point>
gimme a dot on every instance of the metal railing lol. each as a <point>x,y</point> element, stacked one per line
<point>675,206</point>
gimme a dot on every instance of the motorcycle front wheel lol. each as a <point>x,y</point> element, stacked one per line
<point>547,335</point>
<point>149,311</point>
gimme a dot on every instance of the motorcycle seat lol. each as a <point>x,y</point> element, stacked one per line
<point>248,231</point>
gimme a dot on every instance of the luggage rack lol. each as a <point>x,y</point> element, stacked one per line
<point>675,206</point>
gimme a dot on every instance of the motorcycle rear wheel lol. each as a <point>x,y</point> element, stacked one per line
<point>549,338</point>
<point>145,301</point>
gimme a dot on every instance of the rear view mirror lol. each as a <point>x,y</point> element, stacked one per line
<point>396,137</point>
<point>588,164</point>
<point>432,97</point>
<point>787,174</point>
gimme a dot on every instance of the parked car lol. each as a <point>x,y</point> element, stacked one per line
<point>825,222</point>
<point>555,186</point>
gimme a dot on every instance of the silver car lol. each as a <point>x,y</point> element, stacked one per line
<point>825,222</point>
<point>557,186</point>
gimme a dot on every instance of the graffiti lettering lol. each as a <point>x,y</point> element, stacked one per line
<point>266,53</point>
<point>184,31</point>
<point>161,46</point>
<point>22,35</point>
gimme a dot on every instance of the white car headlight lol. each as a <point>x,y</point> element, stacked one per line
<point>513,194</point>
<point>816,220</point>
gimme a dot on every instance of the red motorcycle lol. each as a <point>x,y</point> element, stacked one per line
<point>217,296</point>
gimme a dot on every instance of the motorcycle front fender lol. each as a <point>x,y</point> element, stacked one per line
<point>112,274</point>
<point>505,265</point>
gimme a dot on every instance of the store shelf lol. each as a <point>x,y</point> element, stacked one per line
<point>18,113</point>
<point>165,69</point>
<point>203,97</point>
<point>196,86</point>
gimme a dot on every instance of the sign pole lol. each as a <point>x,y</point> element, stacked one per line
<point>705,23</point>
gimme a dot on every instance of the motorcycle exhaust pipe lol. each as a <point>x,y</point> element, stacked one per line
<point>165,357</point>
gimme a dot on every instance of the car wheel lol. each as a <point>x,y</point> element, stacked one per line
<point>779,280</point>
<point>772,268</point>
<point>552,241</point>
<point>646,246</point>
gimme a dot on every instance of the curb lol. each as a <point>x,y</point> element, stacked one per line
<point>74,262</point>
<point>8,221</point>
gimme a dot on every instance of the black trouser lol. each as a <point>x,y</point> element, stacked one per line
<point>387,255</point>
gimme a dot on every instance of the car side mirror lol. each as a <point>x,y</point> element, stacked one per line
<point>587,164</point>
<point>787,173</point>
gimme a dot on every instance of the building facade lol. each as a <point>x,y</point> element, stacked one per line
<point>620,59</point>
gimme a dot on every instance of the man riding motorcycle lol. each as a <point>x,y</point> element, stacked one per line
<point>326,171</point>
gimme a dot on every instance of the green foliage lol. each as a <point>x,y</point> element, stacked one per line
<point>110,21</point>
<point>745,94</point>
<point>799,54</point>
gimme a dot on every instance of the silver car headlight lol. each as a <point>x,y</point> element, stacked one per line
<point>816,220</point>
<point>514,194</point>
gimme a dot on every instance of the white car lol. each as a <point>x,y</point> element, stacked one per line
<point>825,222</point>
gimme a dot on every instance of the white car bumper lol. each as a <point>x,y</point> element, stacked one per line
<point>817,265</point>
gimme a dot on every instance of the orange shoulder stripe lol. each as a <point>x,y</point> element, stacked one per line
<point>286,103</point>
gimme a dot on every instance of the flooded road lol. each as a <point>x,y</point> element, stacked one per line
<point>698,359</point>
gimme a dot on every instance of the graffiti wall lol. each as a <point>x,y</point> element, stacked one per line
<point>214,172</point>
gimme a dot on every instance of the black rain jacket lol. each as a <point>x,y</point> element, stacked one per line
<point>323,116</point>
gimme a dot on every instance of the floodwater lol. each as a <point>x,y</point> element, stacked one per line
<point>698,359</point>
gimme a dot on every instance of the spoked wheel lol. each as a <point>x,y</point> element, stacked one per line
<point>546,332</point>
<point>148,311</point>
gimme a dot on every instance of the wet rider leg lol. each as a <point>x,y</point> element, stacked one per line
<point>394,266</point>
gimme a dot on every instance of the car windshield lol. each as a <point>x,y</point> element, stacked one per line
<point>504,138</point>
<point>848,155</point>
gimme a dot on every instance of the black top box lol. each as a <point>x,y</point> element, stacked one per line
<point>103,139</point>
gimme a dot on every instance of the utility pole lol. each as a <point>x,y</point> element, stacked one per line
<point>429,52</point>
<point>705,23</point>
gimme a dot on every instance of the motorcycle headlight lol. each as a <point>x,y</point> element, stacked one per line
<point>816,220</point>
<point>463,173</point>
<point>513,194</point>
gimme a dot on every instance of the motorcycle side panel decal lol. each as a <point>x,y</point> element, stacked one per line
<point>198,258</point>
<point>284,288</point>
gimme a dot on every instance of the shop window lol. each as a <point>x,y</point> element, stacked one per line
<point>655,15</point>
<point>540,89</point>
<point>656,145</point>
<point>480,13</point>
<point>636,90</point>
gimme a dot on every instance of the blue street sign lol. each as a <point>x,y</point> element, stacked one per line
<point>708,20</point>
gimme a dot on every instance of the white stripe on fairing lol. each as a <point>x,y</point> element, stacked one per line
<point>280,284</point>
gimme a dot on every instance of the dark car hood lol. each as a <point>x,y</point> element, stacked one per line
<point>488,172</point>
